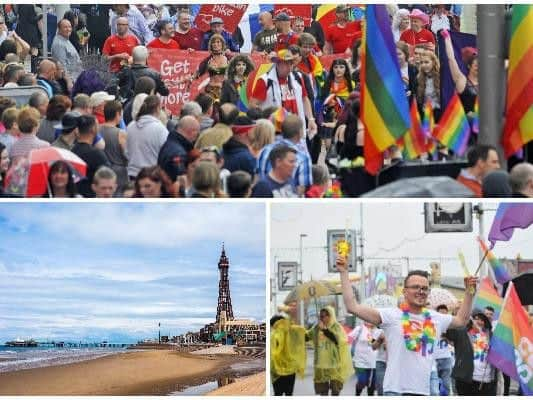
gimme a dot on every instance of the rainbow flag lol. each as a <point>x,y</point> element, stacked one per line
<point>500,272</point>
<point>518,128</point>
<point>242,103</point>
<point>510,216</point>
<point>428,124</point>
<point>475,117</point>
<point>512,342</point>
<point>414,141</point>
<point>488,296</point>
<point>453,129</point>
<point>384,107</point>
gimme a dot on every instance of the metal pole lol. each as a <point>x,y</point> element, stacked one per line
<point>301,280</point>
<point>490,42</point>
<point>45,30</point>
<point>479,211</point>
<point>362,282</point>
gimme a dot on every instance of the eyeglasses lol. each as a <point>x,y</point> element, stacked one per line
<point>418,288</point>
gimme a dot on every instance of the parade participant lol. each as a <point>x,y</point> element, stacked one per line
<point>104,183</point>
<point>152,182</point>
<point>349,133</point>
<point>206,181</point>
<point>292,132</point>
<point>68,131</point>
<point>64,51</point>
<point>332,364</point>
<point>482,159</point>
<point>137,22</point>
<point>521,179</point>
<point>187,36</point>
<point>115,142</point>
<point>428,83</point>
<point>364,357</point>
<point>285,35</point>
<point>262,135</point>
<point>417,34</point>
<point>118,48</point>
<point>443,357</point>
<point>28,123</point>
<point>57,107</point>
<point>172,157</point>
<point>239,185</point>
<point>46,73</point>
<point>298,25</point>
<point>496,184</point>
<point>265,40</point>
<point>409,72</point>
<point>215,64</point>
<point>236,151</point>
<point>287,354</point>
<point>97,102</point>
<point>239,68</point>
<point>278,182</point>
<point>60,181</point>
<point>467,86</point>
<point>400,23</point>
<point>217,27</point>
<point>9,121</point>
<point>410,330</point>
<point>165,39</point>
<point>281,88</point>
<point>321,182</point>
<point>473,375</point>
<point>39,101</point>
<point>342,34</point>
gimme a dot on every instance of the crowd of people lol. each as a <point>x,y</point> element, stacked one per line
<point>299,118</point>
<point>411,349</point>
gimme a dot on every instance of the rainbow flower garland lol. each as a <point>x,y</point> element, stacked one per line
<point>417,339</point>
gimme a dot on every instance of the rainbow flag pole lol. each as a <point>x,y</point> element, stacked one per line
<point>500,272</point>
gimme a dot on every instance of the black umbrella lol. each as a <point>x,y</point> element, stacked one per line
<point>425,186</point>
<point>523,285</point>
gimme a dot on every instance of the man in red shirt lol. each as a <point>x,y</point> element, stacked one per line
<point>285,36</point>
<point>118,48</point>
<point>187,36</point>
<point>165,39</point>
<point>417,34</point>
<point>341,35</point>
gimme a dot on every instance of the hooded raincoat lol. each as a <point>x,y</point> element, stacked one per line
<point>287,350</point>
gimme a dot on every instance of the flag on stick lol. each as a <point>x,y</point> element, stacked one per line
<point>500,272</point>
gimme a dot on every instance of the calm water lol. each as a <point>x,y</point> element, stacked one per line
<point>17,358</point>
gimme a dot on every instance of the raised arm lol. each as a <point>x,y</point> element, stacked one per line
<point>457,75</point>
<point>366,313</point>
<point>463,314</point>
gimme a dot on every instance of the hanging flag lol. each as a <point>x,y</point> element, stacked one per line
<point>487,296</point>
<point>500,272</point>
<point>518,129</point>
<point>475,117</point>
<point>414,142</point>
<point>511,345</point>
<point>453,129</point>
<point>384,107</point>
<point>510,216</point>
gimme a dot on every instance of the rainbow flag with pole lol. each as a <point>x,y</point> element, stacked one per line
<point>508,217</point>
<point>384,106</point>
<point>487,296</point>
<point>475,117</point>
<point>428,124</point>
<point>453,129</point>
<point>414,141</point>
<point>518,129</point>
<point>500,272</point>
<point>511,345</point>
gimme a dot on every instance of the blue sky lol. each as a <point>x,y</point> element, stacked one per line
<point>112,271</point>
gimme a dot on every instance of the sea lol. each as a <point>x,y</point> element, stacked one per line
<point>18,358</point>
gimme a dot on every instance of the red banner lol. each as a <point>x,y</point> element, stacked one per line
<point>295,10</point>
<point>231,14</point>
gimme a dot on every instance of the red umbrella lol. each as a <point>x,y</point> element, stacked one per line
<point>29,176</point>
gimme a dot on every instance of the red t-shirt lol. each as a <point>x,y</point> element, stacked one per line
<point>343,38</point>
<point>116,45</point>
<point>284,40</point>
<point>158,44</point>
<point>190,40</point>
<point>288,98</point>
<point>412,38</point>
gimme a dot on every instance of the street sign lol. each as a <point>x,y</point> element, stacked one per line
<point>343,240</point>
<point>448,217</point>
<point>287,275</point>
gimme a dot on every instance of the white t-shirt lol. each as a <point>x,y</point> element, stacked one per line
<point>364,356</point>
<point>442,349</point>
<point>415,366</point>
<point>381,353</point>
<point>482,369</point>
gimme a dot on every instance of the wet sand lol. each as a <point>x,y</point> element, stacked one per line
<point>254,385</point>
<point>151,372</point>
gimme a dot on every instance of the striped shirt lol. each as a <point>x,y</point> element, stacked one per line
<point>302,175</point>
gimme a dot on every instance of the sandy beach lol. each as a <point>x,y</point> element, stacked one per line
<point>137,373</point>
<point>254,385</point>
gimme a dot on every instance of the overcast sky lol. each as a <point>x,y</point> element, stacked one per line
<point>392,231</point>
<point>113,271</point>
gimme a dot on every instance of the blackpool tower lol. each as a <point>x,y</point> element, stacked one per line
<point>224,309</point>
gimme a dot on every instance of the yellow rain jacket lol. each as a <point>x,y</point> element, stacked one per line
<point>287,350</point>
<point>332,361</point>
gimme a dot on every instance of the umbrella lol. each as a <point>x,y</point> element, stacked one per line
<point>310,290</point>
<point>439,296</point>
<point>381,301</point>
<point>29,176</point>
<point>425,186</point>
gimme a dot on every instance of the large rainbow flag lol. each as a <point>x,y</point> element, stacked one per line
<point>511,345</point>
<point>453,130</point>
<point>414,141</point>
<point>518,128</point>
<point>500,272</point>
<point>488,296</point>
<point>384,107</point>
<point>508,217</point>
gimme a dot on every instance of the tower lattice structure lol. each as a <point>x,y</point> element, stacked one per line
<point>224,309</point>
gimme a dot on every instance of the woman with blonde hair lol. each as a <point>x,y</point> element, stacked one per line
<point>262,134</point>
<point>428,81</point>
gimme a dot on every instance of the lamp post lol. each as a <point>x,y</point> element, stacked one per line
<point>300,277</point>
